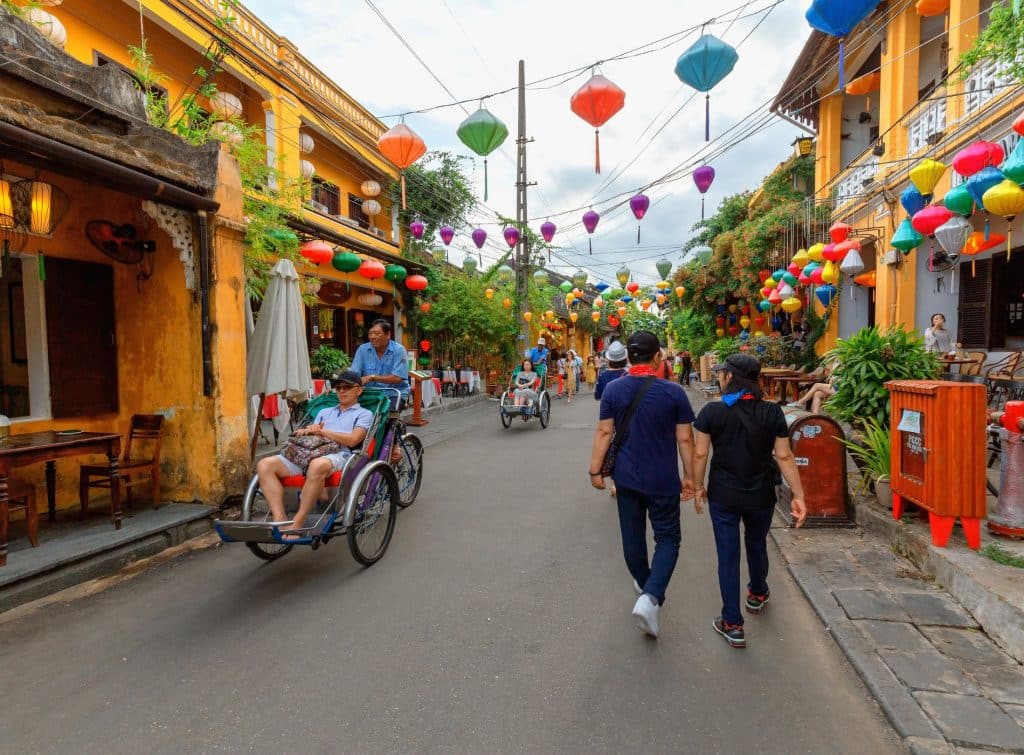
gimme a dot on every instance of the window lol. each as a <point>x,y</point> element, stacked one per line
<point>153,91</point>
<point>327,196</point>
<point>355,211</point>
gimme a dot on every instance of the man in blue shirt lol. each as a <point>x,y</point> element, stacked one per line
<point>646,472</point>
<point>616,356</point>
<point>539,353</point>
<point>382,363</point>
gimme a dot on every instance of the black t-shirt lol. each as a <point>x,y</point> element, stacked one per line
<point>742,473</point>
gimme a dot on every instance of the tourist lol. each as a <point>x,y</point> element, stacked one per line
<point>591,371</point>
<point>937,339</point>
<point>525,384</point>
<point>615,355</point>
<point>381,362</point>
<point>650,420</point>
<point>570,376</point>
<point>687,361</point>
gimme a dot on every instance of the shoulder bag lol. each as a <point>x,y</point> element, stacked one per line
<point>300,450</point>
<point>748,423</point>
<point>619,437</point>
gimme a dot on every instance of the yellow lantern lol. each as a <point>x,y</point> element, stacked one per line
<point>719,332</point>
<point>792,304</point>
<point>622,276</point>
<point>771,283</point>
<point>527,316</point>
<point>622,311</point>
<point>569,299</point>
<point>489,293</point>
<point>595,316</point>
<point>733,308</point>
<point>801,257</point>
<point>926,174</point>
<point>830,273</point>
<point>1005,199</point>
<point>574,316</point>
<point>506,303</point>
<point>758,334</point>
<point>815,252</point>
<point>662,284</point>
<point>744,322</point>
<point>680,290</point>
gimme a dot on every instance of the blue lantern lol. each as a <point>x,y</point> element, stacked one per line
<point>981,182</point>
<point>838,18</point>
<point>627,298</point>
<point>702,66</point>
<point>776,322</point>
<point>912,200</point>
<point>601,287</point>
<point>825,294</point>
<point>764,306</point>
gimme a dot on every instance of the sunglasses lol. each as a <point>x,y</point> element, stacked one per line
<point>344,386</point>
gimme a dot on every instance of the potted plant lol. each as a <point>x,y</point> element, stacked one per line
<point>872,455</point>
<point>327,360</point>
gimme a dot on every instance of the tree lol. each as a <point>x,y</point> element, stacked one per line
<point>1002,41</point>
<point>438,192</point>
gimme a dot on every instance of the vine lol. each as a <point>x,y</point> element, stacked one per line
<point>1002,41</point>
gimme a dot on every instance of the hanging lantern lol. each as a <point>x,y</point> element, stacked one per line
<point>764,306</point>
<point>912,200</point>
<point>482,132</point>
<point>370,188</point>
<point>346,262</point>
<point>565,286</point>
<point>547,230</point>
<point>596,102</point>
<point>511,234</point>
<point>622,276</point>
<point>504,275</point>
<point>977,243</point>
<point>614,321</point>
<point>569,299</point>
<point>764,275</point>
<point>868,279</point>
<point>703,66</point>
<point>865,86</point>
<point>402,146</point>
<point>395,273</point>
<point>816,276</point>
<point>528,316</point>
<point>744,322</point>
<point>574,316</point>
<point>506,303</point>
<point>959,200</point>
<point>306,143</point>
<point>579,279</point>
<point>425,307</point>
<point>370,300</point>
<point>39,206</point>
<point>974,157</point>
<point>639,205</point>
<point>852,264</point>
<point>601,287</point>
<point>317,252</point>
<point>598,302</point>
<point>416,228</point>
<point>925,175</point>
<point>372,269</point>
<point>447,233</point>
<point>1018,124</point>
<point>632,287</point>
<point>489,293</point>
<point>540,277</point>
<point>927,8</point>
<point>371,207</point>
<point>930,218</point>
<point>794,269</point>
<point>829,273</point>
<point>838,18</point>
<point>839,232</point>
<point>664,267</point>
<point>680,291</point>
<point>660,298</point>
<point>825,294</point>
<point>307,169</point>
<point>50,27</point>
<point>416,283</point>
<point>703,177</point>
<point>469,265</point>
<point>621,311</point>
<point>906,238</point>
<point>1013,165</point>
<point>774,297</point>
<point>816,252</point>
<point>590,220</point>
<point>1005,199</point>
<point>980,183</point>
<point>792,304</point>
<point>952,237</point>
<point>595,316</point>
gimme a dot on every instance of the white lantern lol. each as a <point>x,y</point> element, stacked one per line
<point>48,25</point>
<point>307,168</point>
<point>370,188</point>
<point>225,105</point>
<point>306,143</point>
<point>226,132</point>
<point>370,300</point>
<point>371,207</point>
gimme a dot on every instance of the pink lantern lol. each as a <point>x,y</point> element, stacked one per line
<point>976,156</point>
<point>479,236</point>
<point>639,205</point>
<point>590,219</point>
<point>816,276</point>
<point>547,230</point>
<point>794,269</point>
<point>931,217</point>
<point>447,233</point>
<point>416,228</point>
<point>511,234</point>
<point>703,177</point>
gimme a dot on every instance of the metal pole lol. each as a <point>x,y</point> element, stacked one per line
<point>523,248</point>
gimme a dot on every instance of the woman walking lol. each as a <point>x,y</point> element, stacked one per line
<point>570,376</point>
<point>745,432</point>
<point>591,372</point>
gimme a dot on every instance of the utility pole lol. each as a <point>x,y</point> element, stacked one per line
<point>522,218</point>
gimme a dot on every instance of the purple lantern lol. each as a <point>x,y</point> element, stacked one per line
<point>590,219</point>
<point>547,230</point>
<point>447,233</point>
<point>479,236</point>
<point>511,234</point>
<point>639,205</point>
<point>703,176</point>
<point>416,228</point>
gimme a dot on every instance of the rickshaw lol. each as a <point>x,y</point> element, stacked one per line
<point>362,498</point>
<point>539,407</point>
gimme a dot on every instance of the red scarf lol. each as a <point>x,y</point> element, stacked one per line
<point>641,370</point>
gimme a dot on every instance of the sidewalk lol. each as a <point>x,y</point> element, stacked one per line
<point>926,653</point>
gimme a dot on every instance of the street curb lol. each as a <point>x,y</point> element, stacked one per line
<point>895,700</point>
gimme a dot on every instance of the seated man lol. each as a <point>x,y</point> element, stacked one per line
<point>345,424</point>
<point>382,363</point>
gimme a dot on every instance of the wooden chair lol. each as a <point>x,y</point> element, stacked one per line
<point>132,471</point>
<point>1004,368</point>
<point>975,367</point>
<point>23,498</point>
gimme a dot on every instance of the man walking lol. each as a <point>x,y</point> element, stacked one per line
<point>650,421</point>
<point>745,433</point>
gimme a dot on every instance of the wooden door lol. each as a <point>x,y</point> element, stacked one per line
<point>975,305</point>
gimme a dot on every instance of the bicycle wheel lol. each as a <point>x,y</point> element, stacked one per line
<point>409,469</point>
<point>256,509</point>
<point>371,511</point>
<point>506,419</point>
<point>544,408</point>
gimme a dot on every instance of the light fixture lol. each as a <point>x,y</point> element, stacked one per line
<point>370,188</point>
<point>804,145</point>
<point>878,149</point>
<point>6,208</point>
<point>38,206</point>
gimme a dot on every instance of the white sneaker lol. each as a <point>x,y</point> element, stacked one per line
<point>638,588</point>
<point>646,612</point>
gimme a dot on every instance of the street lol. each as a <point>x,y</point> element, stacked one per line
<point>498,621</point>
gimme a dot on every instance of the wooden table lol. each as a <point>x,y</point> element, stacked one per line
<point>947,363</point>
<point>770,374</point>
<point>796,381</point>
<point>48,446</point>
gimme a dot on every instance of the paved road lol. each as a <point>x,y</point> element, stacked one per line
<point>499,621</point>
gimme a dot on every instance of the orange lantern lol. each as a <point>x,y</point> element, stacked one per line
<point>317,252</point>
<point>402,146</point>
<point>527,316</point>
<point>680,290</point>
<point>489,293</point>
<point>868,279</point>
<point>425,307</point>
<point>595,316</point>
<point>660,298</point>
<point>622,311</point>
<point>596,102</point>
<point>506,303</point>
<point>372,269</point>
<point>976,244</point>
<point>931,7</point>
<point>646,304</point>
<point>574,316</point>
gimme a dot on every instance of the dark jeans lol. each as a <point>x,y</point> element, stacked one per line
<point>634,508</point>
<point>726,524</point>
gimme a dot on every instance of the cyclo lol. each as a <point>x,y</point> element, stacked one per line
<point>362,498</point>
<point>538,407</point>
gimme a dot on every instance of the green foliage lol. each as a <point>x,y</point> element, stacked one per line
<point>864,363</point>
<point>690,330</point>
<point>463,324</point>
<point>437,192</point>
<point>1002,41</point>
<point>772,352</point>
<point>328,359</point>
<point>726,347</point>
<point>873,453</point>
<point>636,319</point>
<point>1002,556</point>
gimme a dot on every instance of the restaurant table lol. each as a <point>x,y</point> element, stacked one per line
<point>431,391</point>
<point>769,374</point>
<point>48,446</point>
<point>797,381</point>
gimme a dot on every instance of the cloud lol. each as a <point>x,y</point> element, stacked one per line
<point>474,48</point>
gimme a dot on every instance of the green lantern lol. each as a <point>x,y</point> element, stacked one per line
<point>469,265</point>
<point>664,267</point>
<point>959,200</point>
<point>906,238</point>
<point>566,287</point>
<point>346,262</point>
<point>540,277</point>
<point>505,275</point>
<point>483,133</point>
<point>280,238</point>
<point>579,279</point>
<point>395,273</point>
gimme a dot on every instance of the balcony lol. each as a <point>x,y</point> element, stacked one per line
<point>987,81</point>
<point>930,119</point>
<point>857,175</point>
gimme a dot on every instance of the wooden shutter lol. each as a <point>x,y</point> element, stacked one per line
<point>313,326</point>
<point>975,304</point>
<point>80,338</point>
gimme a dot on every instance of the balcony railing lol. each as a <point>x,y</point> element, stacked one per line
<point>858,175</point>
<point>986,82</point>
<point>931,119</point>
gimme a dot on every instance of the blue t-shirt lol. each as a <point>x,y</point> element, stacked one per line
<point>648,460</point>
<point>337,420</point>
<point>537,355</point>
<point>394,362</point>
<point>603,379</point>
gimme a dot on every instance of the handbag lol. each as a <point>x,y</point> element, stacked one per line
<point>300,450</point>
<point>776,473</point>
<point>619,437</point>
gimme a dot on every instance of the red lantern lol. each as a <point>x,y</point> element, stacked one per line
<point>613,321</point>
<point>402,146</point>
<point>372,269</point>
<point>763,275</point>
<point>931,217</point>
<point>425,307</point>
<point>1018,124</point>
<point>976,156</point>
<point>596,102</point>
<point>425,346</point>
<point>632,287</point>
<point>733,330</point>
<point>720,322</point>
<point>416,283</point>
<point>317,252</point>
<point>839,232</point>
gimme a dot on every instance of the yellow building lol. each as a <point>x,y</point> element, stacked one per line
<point>909,104</point>
<point>100,327</point>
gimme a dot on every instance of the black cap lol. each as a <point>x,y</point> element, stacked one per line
<point>742,366</point>
<point>351,377</point>
<point>642,346</point>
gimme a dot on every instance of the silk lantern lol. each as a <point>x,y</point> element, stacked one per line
<point>547,230</point>
<point>868,279</point>
<point>425,346</point>
<point>838,18</point>
<point>927,8</point>
<point>317,252</point>
<point>632,287</point>
<point>416,283</point>
<point>764,306</point>
<point>482,132</point>
<point>372,269</point>
<point>595,316</point>
<point>680,290</point>
<point>622,276</point>
<point>906,238</point>
<point>346,262</point>
<point>596,102</point>
<point>959,200</point>
<point>565,286</point>
<point>702,66</point>
<point>639,205</point>
<point>830,273</point>
<point>489,293</point>
<point>528,316</point>
<point>447,233</point>
<point>590,220</point>
<point>469,265</point>
<point>912,200</point>
<point>980,183</point>
<point>512,236</point>
<point>791,304</point>
<point>977,156</point>
<point>506,303</point>
<point>579,280</point>
<point>614,321</point>
<point>574,316</point>
<point>1018,124</point>
<point>395,273</point>
<point>402,146</point>
<point>839,232</point>
<point>479,236</point>
<point>703,177</point>
<point>977,243</point>
<point>1013,166</point>
<point>825,294</point>
<point>416,228</point>
<point>814,252</point>
<point>925,175</point>
<point>425,307</point>
<point>1007,200</point>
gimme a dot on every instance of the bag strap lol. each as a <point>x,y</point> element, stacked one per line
<point>620,432</point>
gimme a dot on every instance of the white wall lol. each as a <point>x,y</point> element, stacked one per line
<point>853,309</point>
<point>936,292</point>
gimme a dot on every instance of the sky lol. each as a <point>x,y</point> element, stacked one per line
<point>474,46</point>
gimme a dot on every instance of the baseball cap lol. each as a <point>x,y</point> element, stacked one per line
<point>741,365</point>
<point>349,377</point>
<point>541,341</point>
<point>616,352</point>
<point>642,345</point>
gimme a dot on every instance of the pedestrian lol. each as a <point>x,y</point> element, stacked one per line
<point>664,368</point>
<point>560,365</point>
<point>615,356</point>
<point>570,376</point>
<point>591,371</point>
<point>744,431</point>
<point>687,365</point>
<point>650,421</point>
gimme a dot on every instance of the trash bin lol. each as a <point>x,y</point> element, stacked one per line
<point>817,444</point>
<point>938,454</point>
<point>1008,519</point>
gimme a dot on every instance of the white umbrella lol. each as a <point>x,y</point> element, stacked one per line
<point>278,357</point>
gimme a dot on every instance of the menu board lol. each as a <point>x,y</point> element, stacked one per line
<point>913,453</point>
